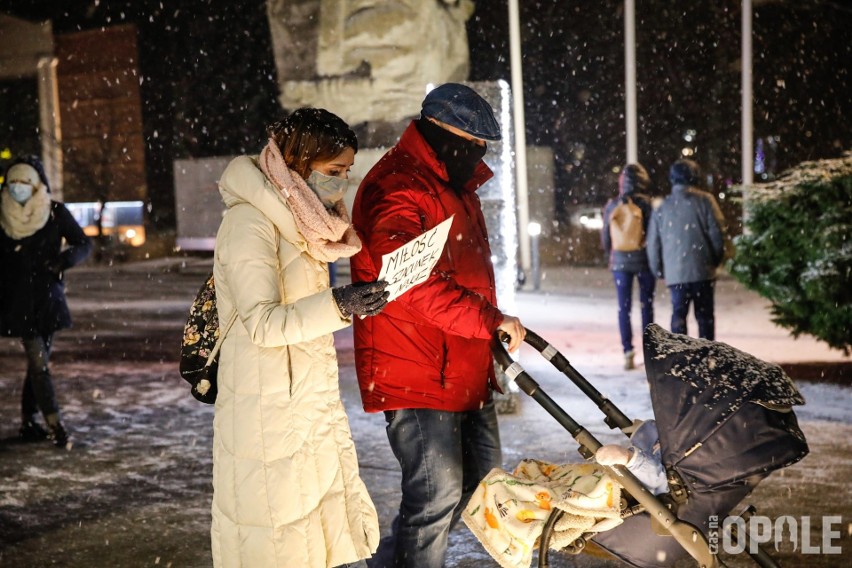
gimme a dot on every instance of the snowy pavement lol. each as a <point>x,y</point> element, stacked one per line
<point>135,489</point>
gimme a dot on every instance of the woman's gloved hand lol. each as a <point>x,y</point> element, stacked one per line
<point>612,455</point>
<point>362,298</point>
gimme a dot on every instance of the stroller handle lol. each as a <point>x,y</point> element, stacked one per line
<point>614,417</point>
<point>689,537</point>
<point>516,373</point>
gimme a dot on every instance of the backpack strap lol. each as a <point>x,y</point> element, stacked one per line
<point>215,350</point>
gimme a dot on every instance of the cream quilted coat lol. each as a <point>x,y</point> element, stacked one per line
<point>286,489</point>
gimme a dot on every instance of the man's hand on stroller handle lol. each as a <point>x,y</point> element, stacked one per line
<point>512,327</point>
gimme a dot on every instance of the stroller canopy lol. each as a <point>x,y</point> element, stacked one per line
<point>722,414</point>
<point>725,421</point>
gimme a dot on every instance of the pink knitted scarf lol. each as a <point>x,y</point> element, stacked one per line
<point>329,233</point>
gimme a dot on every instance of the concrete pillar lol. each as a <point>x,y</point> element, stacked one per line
<point>50,125</point>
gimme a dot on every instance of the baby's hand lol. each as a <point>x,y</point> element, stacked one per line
<point>612,455</point>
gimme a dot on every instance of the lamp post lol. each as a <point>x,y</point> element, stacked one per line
<point>519,125</point>
<point>630,80</point>
<point>746,79</point>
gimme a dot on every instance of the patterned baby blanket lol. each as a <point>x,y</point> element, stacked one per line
<point>507,512</point>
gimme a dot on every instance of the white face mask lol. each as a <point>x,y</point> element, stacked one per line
<point>20,192</point>
<point>329,189</point>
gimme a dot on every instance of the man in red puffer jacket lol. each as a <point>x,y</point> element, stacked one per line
<point>425,360</point>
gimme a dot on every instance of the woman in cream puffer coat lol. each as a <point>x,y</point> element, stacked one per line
<point>287,491</point>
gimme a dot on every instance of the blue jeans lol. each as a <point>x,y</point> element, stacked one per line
<point>332,274</point>
<point>700,294</point>
<point>38,391</point>
<point>443,456</point>
<point>624,290</point>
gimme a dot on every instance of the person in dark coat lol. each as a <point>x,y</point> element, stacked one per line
<point>32,292</point>
<point>627,265</point>
<point>686,245</point>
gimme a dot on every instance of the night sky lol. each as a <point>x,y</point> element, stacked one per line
<point>688,76</point>
<point>209,82</point>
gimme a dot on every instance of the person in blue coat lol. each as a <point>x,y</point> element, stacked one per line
<point>687,241</point>
<point>33,259</point>
<point>627,265</point>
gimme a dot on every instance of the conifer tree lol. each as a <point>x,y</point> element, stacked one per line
<point>797,249</point>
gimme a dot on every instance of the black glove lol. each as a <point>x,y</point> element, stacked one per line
<point>363,298</point>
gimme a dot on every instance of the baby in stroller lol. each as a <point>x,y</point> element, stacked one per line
<point>642,458</point>
<point>723,420</point>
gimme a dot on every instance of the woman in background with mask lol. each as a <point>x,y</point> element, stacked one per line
<point>32,293</point>
<point>287,491</point>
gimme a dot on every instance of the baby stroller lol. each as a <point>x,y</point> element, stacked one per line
<point>725,422</point>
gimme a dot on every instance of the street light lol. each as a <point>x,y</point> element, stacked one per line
<point>691,147</point>
<point>534,231</point>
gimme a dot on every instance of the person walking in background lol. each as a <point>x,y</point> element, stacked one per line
<point>686,245</point>
<point>286,486</point>
<point>626,220</point>
<point>425,360</point>
<point>32,290</point>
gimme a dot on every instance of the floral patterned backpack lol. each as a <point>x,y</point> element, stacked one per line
<point>202,339</point>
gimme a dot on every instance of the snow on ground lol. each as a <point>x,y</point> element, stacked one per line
<point>135,489</point>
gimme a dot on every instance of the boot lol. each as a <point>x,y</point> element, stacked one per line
<point>59,436</point>
<point>628,360</point>
<point>31,431</point>
<point>57,433</point>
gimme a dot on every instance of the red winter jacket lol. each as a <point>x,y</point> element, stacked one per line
<point>429,348</point>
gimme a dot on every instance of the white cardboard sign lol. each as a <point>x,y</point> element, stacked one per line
<point>412,263</point>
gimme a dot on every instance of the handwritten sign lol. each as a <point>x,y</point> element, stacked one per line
<point>412,263</point>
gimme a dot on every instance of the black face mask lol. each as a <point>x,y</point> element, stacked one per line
<point>459,155</point>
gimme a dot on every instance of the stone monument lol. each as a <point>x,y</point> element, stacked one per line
<point>371,62</point>
<point>368,61</point>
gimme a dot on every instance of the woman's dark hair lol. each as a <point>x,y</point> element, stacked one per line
<point>634,178</point>
<point>311,134</point>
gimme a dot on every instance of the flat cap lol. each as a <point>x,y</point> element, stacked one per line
<point>460,106</point>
